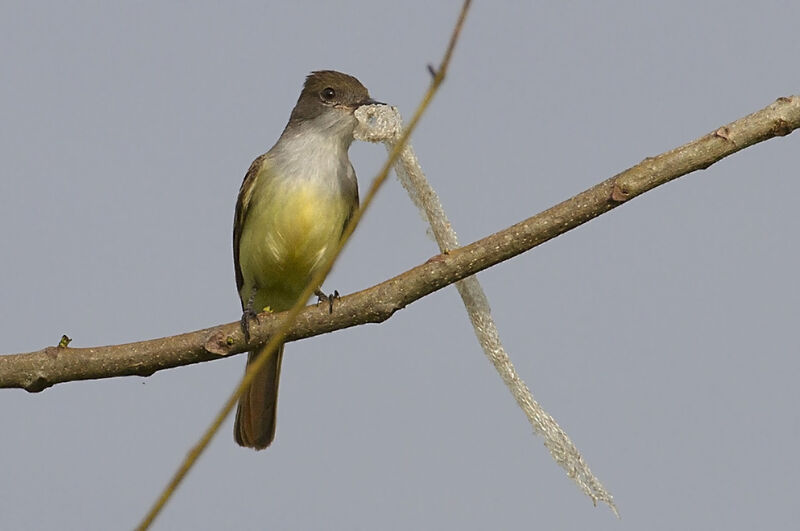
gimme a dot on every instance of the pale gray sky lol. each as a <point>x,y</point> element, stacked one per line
<point>662,336</point>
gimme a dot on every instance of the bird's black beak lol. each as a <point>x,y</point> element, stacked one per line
<point>370,101</point>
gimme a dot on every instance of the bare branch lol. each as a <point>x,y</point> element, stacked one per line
<point>36,371</point>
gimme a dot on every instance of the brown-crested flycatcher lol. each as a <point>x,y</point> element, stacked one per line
<point>292,208</point>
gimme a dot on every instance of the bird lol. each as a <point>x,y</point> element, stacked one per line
<point>293,206</point>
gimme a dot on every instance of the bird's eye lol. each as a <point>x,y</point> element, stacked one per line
<point>328,94</point>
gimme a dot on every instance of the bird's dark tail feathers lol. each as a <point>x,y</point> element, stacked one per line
<point>255,416</point>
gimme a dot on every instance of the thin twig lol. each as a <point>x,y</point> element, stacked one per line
<point>315,281</point>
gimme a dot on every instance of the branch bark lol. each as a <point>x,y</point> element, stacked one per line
<point>36,371</point>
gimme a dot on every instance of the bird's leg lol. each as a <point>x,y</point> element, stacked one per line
<point>249,314</point>
<point>321,297</point>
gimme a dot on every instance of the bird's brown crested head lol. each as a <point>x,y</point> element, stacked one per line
<point>328,89</point>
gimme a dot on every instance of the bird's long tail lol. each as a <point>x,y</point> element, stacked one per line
<point>255,416</point>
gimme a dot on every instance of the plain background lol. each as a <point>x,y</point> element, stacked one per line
<point>662,336</point>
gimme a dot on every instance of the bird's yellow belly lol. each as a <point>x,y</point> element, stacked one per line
<point>287,240</point>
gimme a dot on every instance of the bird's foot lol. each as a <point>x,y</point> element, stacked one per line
<point>321,297</point>
<point>248,315</point>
